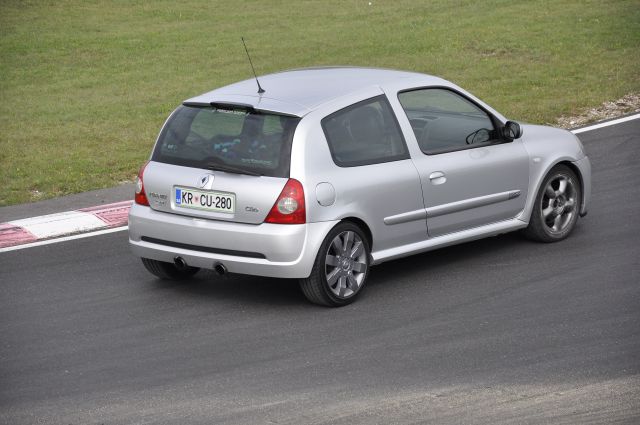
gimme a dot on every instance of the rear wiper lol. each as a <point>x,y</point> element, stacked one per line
<point>216,166</point>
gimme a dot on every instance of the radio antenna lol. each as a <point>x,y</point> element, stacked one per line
<point>260,89</point>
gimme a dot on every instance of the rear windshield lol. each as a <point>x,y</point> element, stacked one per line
<point>228,139</point>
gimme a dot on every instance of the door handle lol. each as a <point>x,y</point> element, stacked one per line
<point>437,177</point>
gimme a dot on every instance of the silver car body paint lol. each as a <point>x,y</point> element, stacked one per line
<point>407,206</point>
<point>290,250</point>
<point>548,146</point>
<point>258,193</point>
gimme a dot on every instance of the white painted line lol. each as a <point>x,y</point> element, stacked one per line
<point>65,223</point>
<point>605,124</point>
<point>64,239</point>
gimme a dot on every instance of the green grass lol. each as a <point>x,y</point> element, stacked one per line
<point>86,85</point>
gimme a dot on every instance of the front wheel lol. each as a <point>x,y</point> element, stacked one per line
<point>556,207</point>
<point>341,267</point>
<point>168,271</point>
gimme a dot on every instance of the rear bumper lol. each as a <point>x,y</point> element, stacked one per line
<point>273,250</point>
<point>584,165</point>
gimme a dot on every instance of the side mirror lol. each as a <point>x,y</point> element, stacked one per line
<point>512,130</point>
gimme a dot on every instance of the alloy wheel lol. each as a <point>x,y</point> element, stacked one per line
<point>345,264</point>
<point>559,203</point>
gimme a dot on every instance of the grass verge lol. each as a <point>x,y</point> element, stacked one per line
<point>86,85</point>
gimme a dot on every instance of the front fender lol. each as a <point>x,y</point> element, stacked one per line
<point>547,147</point>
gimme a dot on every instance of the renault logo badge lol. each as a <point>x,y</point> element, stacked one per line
<point>206,181</point>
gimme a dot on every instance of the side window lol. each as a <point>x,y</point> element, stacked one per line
<point>444,121</point>
<point>364,133</point>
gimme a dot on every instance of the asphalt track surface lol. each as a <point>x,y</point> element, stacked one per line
<point>496,331</point>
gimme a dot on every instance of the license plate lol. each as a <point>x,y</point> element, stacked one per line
<point>205,200</point>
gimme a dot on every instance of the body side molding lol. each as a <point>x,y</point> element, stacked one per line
<point>452,207</point>
<point>468,204</point>
<point>420,214</point>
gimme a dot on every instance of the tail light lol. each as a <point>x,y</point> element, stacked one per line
<point>141,196</point>
<point>289,207</point>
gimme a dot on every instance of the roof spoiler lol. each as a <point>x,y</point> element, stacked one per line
<point>237,106</point>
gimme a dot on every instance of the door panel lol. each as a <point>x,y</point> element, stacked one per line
<point>469,175</point>
<point>481,186</point>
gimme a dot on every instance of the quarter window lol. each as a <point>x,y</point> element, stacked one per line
<point>364,133</point>
<point>444,121</point>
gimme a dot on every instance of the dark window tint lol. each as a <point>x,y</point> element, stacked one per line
<point>235,139</point>
<point>445,121</point>
<point>364,133</point>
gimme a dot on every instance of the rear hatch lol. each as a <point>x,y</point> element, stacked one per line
<point>221,162</point>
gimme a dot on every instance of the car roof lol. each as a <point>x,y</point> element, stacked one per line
<point>299,91</point>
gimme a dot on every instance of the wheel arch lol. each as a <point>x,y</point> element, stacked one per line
<point>569,164</point>
<point>362,225</point>
<point>585,185</point>
<point>315,286</point>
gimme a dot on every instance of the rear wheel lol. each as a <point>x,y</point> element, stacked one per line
<point>555,211</point>
<point>168,271</point>
<point>341,267</point>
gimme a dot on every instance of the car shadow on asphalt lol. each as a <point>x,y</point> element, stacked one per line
<point>235,287</point>
<point>254,290</point>
<point>442,260</point>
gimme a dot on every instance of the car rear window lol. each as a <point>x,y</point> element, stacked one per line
<point>229,137</point>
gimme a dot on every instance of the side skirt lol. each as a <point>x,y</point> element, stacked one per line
<point>493,229</point>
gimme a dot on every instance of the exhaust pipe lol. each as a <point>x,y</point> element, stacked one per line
<point>220,269</point>
<point>180,263</point>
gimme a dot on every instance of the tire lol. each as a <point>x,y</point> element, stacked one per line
<point>341,267</point>
<point>556,208</point>
<point>168,271</point>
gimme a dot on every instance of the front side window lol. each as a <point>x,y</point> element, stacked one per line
<point>444,121</point>
<point>364,133</point>
<point>228,139</point>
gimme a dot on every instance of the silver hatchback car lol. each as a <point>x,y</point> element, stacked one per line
<point>330,171</point>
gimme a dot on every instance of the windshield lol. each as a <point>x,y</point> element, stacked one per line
<point>237,140</point>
